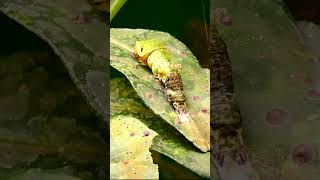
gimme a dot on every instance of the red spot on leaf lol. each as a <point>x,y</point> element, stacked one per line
<point>146,133</point>
<point>125,162</point>
<point>276,117</point>
<point>196,98</point>
<point>204,110</point>
<point>303,153</point>
<point>225,20</point>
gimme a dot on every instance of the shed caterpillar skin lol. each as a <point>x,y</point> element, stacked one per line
<point>154,54</point>
<point>226,121</point>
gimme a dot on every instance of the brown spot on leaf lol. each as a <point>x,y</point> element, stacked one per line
<point>276,117</point>
<point>303,153</point>
<point>125,162</point>
<point>204,110</point>
<point>195,98</point>
<point>132,134</point>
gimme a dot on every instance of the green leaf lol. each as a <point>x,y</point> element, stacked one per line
<point>124,100</point>
<point>276,82</point>
<point>36,136</point>
<point>130,157</point>
<point>76,34</point>
<point>115,6</point>
<point>37,105</point>
<point>196,82</point>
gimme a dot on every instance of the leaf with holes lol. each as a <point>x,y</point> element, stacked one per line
<point>130,157</point>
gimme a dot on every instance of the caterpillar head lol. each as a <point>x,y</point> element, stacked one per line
<point>144,48</point>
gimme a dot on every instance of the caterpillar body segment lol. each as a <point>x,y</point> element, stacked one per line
<point>226,121</point>
<point>154,54</point>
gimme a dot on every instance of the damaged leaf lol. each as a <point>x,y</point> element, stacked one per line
<point>196,89</point>
<point>124,100</point>
<point>130,157</point>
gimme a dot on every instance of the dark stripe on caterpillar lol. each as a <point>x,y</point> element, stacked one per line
<point>225,120</point>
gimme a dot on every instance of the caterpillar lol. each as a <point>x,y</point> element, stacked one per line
<point>153,54</point>
<point>226,122</point>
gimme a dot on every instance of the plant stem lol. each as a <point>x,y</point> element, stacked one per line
<point>115,6</point>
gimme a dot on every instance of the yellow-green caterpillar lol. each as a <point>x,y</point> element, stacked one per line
<point>155,55</point>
